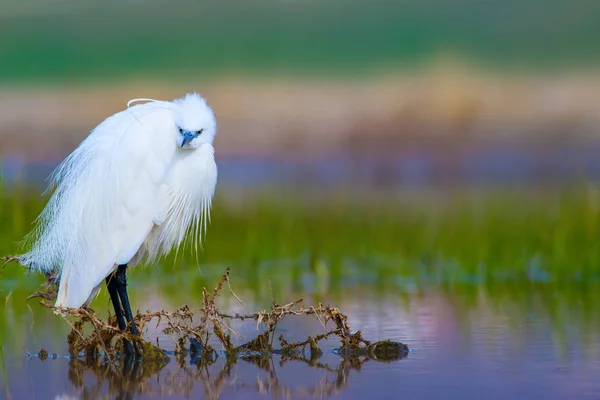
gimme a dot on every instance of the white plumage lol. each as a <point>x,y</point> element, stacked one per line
<point>129,193</point>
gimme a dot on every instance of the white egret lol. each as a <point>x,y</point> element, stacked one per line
<point>129,193</point>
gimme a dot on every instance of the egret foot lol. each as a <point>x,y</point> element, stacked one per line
<point>117,289</point>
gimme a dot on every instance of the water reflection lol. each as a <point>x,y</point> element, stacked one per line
<point>125,379</point>
<point>469,341</point>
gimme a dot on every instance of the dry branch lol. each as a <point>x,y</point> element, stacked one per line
<point>105,336</point>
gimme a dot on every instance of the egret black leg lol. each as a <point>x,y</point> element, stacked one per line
<point>112,286</point>
<point>121,278</point>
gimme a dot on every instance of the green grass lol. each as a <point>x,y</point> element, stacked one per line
<point>75,41</point>
<point>525,250</point>
<point>547,236</point>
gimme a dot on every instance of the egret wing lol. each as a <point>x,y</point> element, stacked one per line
<point>108,197</point>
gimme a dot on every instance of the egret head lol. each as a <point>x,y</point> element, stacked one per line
<point>194,121</point>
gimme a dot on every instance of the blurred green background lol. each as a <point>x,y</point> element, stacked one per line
<point>312,77</point>
<point>433,160</point>
<point>380,145</point>
<point>78,41</point>
<point>398,132</point>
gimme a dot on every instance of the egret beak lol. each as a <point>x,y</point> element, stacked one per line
<point>187,137</point>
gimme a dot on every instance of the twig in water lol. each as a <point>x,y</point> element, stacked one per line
<point>107,336</point>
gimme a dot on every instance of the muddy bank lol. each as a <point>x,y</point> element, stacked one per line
<point>432,109</point>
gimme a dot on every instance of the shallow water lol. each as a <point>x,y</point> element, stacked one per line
<point>467,343</point>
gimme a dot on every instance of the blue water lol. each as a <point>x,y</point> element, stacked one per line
<point>498,164</point>
<point>490,349</point>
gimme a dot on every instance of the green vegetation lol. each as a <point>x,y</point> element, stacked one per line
<point>74,41</point>
<point>439,238</point>
<point>521,249</point>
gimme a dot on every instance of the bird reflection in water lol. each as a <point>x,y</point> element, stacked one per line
<point>127,378</point>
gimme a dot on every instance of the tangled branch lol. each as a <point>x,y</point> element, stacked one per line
<point>105,336</point>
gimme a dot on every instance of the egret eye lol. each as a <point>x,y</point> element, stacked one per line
<point>200,131</point>
<point>180,130</point>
